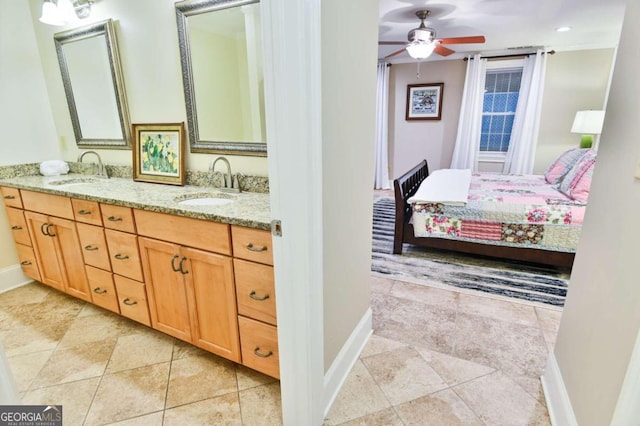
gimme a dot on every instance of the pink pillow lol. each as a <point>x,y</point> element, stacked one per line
<point>577,181</point>
<point>561,166</point>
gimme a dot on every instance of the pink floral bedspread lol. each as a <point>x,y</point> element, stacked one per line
<point>511,210</point>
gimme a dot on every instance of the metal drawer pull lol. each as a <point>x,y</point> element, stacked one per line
<point>16,227</point>
<point>173,264</point>
<point>42,228</point>
<point>25,263</point>
<point>129,302</point>
<point>121,256</point>
<point>9,197</point>
<point>260,354</point>
<point>84,212</point>
<point>90,248</point>
<point>258,249</point>
<point>99,290</point>
<point>114,219</point>
<point>259,299</point>
<point>48,231</point>
<point>182,270</point>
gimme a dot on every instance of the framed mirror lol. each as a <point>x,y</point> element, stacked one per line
<point>221,55</point>
<point>94,87</point>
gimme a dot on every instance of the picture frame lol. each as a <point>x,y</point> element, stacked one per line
<point>424,101</point>
<point>159,153</point>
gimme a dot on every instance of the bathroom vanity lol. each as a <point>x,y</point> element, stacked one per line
<point>188,261</point>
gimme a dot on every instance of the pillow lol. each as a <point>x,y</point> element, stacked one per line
<point>561,166</point>
<point>577,181</point>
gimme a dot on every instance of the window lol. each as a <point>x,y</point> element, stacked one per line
<point>502,87</point>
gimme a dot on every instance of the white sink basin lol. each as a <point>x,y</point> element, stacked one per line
<point>207,201</point>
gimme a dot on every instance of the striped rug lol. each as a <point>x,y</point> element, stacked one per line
<point>536,285</point>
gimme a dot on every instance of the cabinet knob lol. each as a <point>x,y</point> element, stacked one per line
<point>257,352</point>
<point>258,298</point>
<point>251,247</point>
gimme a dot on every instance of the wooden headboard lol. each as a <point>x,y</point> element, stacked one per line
<point>405,186</point>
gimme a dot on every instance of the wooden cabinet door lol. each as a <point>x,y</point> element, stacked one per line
<point>45,251</point>
<point>70,257</point>
<point>211,291</point>
<point>166,290</point>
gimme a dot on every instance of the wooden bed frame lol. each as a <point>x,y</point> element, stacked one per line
<point>407,185</point>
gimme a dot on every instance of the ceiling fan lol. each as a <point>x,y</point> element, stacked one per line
<point>423,41</point>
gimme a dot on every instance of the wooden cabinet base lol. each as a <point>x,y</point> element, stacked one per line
<point>259,343</point>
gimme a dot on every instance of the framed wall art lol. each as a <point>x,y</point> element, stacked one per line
<point>424,101</point>
<point>158,153</point>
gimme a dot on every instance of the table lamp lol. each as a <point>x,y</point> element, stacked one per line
<point>587,123</point>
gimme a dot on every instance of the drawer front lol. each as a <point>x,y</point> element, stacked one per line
<point>18,226</point>
<point>103,290</point>
<point>54,205</point>
<point>197,233</point>
<point>11,197</point>
<point>124,255</point>
<point>94,246</point>
<point>87,211</point>
<point>259,343</point>
<point>132,299</point>
<point>252,244</point>
<point>255,291</point>
<point>118,218</point>
<point>28,262</point>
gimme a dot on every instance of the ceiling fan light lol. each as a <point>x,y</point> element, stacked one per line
<point>420,50</point>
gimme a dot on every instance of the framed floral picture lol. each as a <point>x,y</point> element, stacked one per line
<point>424,101</point>
<point>158,153</point>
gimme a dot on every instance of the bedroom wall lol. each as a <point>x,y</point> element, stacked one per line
<point>601,319</point>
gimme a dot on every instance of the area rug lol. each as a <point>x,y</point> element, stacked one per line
<point>512,280</point>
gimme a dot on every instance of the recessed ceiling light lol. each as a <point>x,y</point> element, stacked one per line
<point>563,29</point>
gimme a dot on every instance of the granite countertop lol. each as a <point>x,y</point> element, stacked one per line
<point>248,209</point>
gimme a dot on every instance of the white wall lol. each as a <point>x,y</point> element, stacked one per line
<point>602,317</point>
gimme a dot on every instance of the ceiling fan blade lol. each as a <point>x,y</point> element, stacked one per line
<point>397,52</point>
<point>391,43</point>
<point>443,51</point>
<point>462,40</point>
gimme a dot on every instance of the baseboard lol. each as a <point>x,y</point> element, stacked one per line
<point>346,358</point>
<point>556,396</point>
<point>12,277</point>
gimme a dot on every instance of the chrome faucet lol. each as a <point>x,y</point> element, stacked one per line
<point>102,171</point>
<point>228,185</point>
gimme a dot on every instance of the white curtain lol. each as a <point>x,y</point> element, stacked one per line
<point>465,153</point>
<point>382,119</point>
<point>524,134</point>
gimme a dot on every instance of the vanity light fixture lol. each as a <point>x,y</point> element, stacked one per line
<point>63,12</point>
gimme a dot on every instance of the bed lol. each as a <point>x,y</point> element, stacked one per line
<point>515,217</point>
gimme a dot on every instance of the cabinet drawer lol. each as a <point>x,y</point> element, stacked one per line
<point>87,211</point>
<point>18,226</point>
<point>132,299</point>
<point>124,255</point>
<point>252,244</point>
<point>259,343</point>
<point>54,205</point>
<point>118,218</point>
<point>197,233</point>
<point>94,246</point>
<point>255,290</point>
<point>103,290</point>
<point>11,197</point>
<point>28,262</point>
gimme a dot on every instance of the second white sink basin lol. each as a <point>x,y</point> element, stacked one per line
<point>208,201</point>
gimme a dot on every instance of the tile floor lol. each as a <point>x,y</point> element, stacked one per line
<point>437,357</point>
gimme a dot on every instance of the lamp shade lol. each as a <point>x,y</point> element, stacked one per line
<point>588,122</point>
<point>51,14</point>
<point>420,49</point>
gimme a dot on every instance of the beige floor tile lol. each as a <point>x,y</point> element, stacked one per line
<point>386,417</point>
<point>453,370</point>
<point>248,378</point>
<point>380,284</point>
<point>74,397</point>
<point>90,309</point>
<point>403,375</point>
<point>95,328</point>
<point>29,293</point>
<point>22,340</point>
<point>425,294</point>
<point>77,363</point>
<point>26,367</point>
<point>377,345</point>
<point>200,377</point>
<point>498,309</point>
<point>141,349</point>
<point>359,396</point>
<point>498,400</point>
<point>441,408</point>
<point>129,394</point>
<point>549,321</point>
<point>153,419</point>
<point>183,350</point>
<point>261,405</point>
<point>222,410</point>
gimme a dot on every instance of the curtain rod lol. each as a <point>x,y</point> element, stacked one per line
<point>515,55</point>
